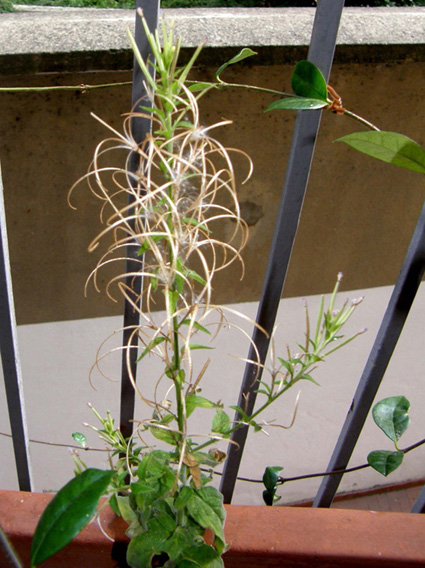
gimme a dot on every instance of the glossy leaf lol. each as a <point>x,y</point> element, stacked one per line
<point>308,81</point>
<point>271,476</point>
<point>384,461</point>
<point>391,415</point>
<point>270,479</point>
<point>297,103</point>
<point>243,54</point>
<point>389,147</point>
<point>68,513</point>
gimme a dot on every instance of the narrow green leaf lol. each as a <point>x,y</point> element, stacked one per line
<point>239,410</point>
<point>297,103</point>
<point>196,325</point>
<point>159,339</point>
<point>68,513</point>
<point>194,276</point>
<point>389,147</point>
<point>243,54</point>
<point>195,223</point>
<point>384,461</point>
<point>197,87</point>
<point>391,415</point>
<point>193,346</point>
<point>308,81</point>
<point>80,439</point>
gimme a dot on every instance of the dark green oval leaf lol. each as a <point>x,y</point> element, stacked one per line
<point>297,103</point>
<point>308,81</point>
<point>389,147</point>
<point>271,476</point>
<point>384,461</point>
<point>68,513</point>
<point>243,54</point>
<point>391,415</point>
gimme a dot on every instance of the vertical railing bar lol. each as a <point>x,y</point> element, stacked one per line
<point>140,127</point>
<point>401,300</point>
<point>10,360</point>
<point>419,504</point>
<point>321,52</point>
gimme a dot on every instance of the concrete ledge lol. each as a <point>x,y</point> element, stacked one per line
<point>38,38</point>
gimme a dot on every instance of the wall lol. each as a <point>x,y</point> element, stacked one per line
<point>357,218</point>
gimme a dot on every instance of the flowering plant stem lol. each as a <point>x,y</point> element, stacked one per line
<point>183,189</point>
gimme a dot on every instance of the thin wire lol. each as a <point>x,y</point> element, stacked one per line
<point>280,481</point>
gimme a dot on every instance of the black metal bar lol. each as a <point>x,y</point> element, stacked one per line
<point>389,332</point>
<point>140,127</point>
<point>321,52</point>
<point>419,504</point>
<point>10,360</point>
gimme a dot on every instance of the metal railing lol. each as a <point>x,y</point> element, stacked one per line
<point>321,52</point>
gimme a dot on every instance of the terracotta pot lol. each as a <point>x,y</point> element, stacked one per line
<point>259,537</point>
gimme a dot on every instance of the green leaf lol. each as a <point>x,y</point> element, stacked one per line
<point>389,147</point>
<point>193,346</point>
<point>165,435</point>
<point>159,339</point>
<point>243,54</point>
<point>183,497</point>
<point>194,276</point>
<point>80,439</point>
<point>196,325</point>
<point>308,81</point>
<point>196,87</point>
<point>391,415</point>
<point>193,401</point>
<point>178,542</point>
<point>205,506</point>
<point>201,555</point>
<point>144,546</point>
<point>221,422</point>
<point>68,513</point>
<point>384,461</point>
<point>297,103</point>
<point>271,477</point>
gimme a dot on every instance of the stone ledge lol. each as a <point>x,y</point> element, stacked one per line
<point>95,36</point>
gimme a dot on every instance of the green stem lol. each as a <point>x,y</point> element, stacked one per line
<point>361,120</point>
<point>83,88</point>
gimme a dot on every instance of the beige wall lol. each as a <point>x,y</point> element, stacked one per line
<point>358,215</point>
<point>57,357</point>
